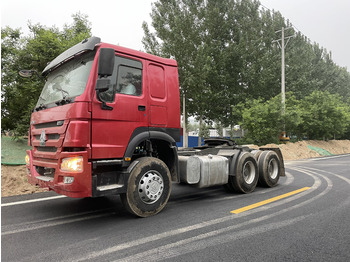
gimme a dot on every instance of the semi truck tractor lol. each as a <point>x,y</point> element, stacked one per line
<point>107,122</point>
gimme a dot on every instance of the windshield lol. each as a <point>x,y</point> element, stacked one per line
<point>66,82</point>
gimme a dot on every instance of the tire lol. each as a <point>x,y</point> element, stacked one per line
<point>269,169</point>
<point>148,189</point>
<point>246,176</point>
<point>256,154</point>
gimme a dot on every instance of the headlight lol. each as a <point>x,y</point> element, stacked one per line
<point>72,164</point>
<point>27,158</point>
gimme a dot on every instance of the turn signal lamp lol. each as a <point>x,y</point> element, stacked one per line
<point>72,164</point>
<point>27,158</point>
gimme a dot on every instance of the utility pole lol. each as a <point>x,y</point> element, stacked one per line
<point>283,76</point>
<point>184,137</point>
<point>283,45</point>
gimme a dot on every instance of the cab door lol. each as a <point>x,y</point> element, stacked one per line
<point>126,98</point>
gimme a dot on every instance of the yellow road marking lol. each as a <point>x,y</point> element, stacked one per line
<point>246,208</point>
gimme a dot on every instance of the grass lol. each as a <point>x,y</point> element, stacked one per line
<point>13,151</point>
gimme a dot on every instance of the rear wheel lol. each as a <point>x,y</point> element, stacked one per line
<point>256,154</point>
<point>246,176</point>
<point>269,169</point>
<point>149,187</point>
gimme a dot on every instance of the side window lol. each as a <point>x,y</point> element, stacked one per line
<point>126,79</point>
<point>129,81</point>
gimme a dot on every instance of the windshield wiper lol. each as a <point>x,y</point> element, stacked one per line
<point>64,101</point>
<point>40,107</point>
<point>64,93</point>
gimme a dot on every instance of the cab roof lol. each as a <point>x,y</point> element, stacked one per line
<point>95,42</point>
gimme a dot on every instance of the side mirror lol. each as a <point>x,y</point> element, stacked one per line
<point>106,62</point>
<point>26,73</point>
<point>102,84</point>
<point>29,73</point>
<point>104,70</point>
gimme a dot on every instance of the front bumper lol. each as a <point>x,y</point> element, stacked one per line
<point>46,173</point>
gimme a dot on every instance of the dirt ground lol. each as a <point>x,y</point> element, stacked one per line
<point>14,181</point>
<point>14,178</point>
<point>300,150</point>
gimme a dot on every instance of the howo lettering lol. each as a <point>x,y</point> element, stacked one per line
<point>107,122</point>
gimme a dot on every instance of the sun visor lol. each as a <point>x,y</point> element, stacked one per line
<point>87,44</point>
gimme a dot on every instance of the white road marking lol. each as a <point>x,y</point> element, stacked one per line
<point>328,157</point>
<point>52,224</point>
<point>30,201</point>
<point>326,172</point>
<point>200,242</point>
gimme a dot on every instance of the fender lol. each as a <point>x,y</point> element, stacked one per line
<point>238,150</point>
<point>162,136</point>
<point>170,158</point>
<point>142,134</point>
<point>174,133</point>
<point>139,135</point>
<point>234,161</point>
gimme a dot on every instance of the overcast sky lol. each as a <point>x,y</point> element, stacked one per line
<point>326,22</point>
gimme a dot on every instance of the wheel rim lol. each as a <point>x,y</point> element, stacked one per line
<point>151,187</point>
<point>272,168</point>
<point>249,172</point>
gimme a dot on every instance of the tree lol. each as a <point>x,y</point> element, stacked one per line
<point>320,115</point>
<point>11,42</point>
<point>18,95</point>
<point>310,68</point>
<point>324,116</point>
<point>264,121</point>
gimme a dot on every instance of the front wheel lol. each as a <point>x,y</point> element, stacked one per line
<point>149,187</point>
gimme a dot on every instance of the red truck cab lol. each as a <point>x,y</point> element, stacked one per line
<point>102,107</point>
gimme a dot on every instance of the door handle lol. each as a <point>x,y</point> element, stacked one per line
<point>142,108</point>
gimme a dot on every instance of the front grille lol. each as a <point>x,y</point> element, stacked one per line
<point>47,149</point>
<point>49,124</point>
<point>73,149</point>
<point>49,137</point>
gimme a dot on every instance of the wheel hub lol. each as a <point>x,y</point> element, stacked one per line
<point>248,172</point>
<point>272,168</point>
<point>151,187</point>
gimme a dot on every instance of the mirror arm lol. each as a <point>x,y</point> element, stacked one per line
<point>104,106</point>
<point>102,85</point>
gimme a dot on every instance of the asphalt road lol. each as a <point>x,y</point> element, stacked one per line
<point>312,223</point>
